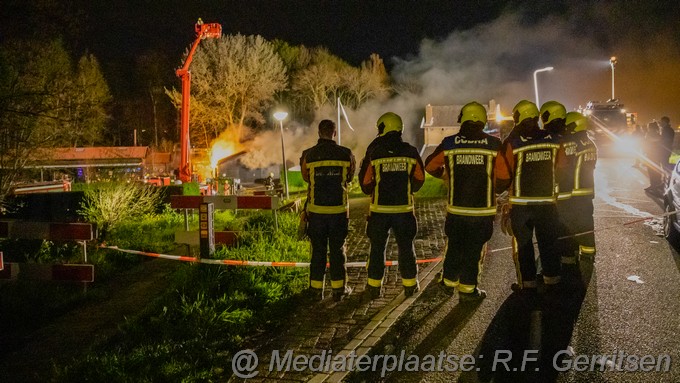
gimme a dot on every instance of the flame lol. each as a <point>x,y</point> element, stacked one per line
<point>220,149</point>
<point>499,115</point>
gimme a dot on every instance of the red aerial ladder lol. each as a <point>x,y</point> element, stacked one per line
<point>203,31</point>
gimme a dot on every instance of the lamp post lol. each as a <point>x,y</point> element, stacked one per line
<point>612,62</point>
<point>536,81</point>
<point>281,116</point>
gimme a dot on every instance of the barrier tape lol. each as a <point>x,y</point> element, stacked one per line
<point>236,262</point>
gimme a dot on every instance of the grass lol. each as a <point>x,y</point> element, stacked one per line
<point>190,333</point>
<point>192,330</point>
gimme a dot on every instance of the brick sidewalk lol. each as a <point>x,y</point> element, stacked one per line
<point>328,326</point>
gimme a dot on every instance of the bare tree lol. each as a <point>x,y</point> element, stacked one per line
<point>364,83</point>
<point>234,79</point>
<point>321,82</point>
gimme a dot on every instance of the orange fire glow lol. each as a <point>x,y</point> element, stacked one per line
<point>499,115</point>
<point>220,149</point>
<point>206,164</point>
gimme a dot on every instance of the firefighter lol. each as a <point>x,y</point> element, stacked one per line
<point>584,184</point>
<point>526,167</point>
<point>465,160</point>
<point>328,168</point>
<point>391,171</point>
<point>553,116</point>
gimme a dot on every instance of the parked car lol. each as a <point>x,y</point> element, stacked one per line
<point>671,203</point>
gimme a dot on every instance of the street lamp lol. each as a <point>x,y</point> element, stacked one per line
<point>281,116</point>
<point>612,62</point>
<point>536,81</point>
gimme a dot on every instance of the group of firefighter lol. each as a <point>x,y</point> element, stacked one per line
<point>540,178</point>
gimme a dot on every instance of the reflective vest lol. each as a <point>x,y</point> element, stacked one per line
<point>391,172</point>
<point>586,159</point>
<point>327,168</point>
<point>533,168</point>
<point>469,166</point>
<point>565,183</point>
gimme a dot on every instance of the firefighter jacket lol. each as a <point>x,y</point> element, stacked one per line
<point>528,160</point>
<point>466,161</point>
<point>391,172</point>
<point>327,167</point>
<point>584,167</point>
<point>565,181</point>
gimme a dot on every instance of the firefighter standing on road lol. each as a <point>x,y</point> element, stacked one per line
<point>553,116</point>
<point>584,184</point>
<point>465,160</point>
<point>391,172</point>
<point>527,166</point>
<point>327,167</point>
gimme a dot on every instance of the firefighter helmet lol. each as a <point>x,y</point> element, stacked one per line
<point>576,122</point>
<point>523,110</point>
<point>472,111</point>
<point>389,122</point>
<point>552,110</point>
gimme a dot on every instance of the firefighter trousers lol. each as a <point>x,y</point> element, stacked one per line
<point>405,228</point>
<point>465,248</point>
<point>327,234</point>
<point>567,245</point>
<point>543,221</point>
<point>583,225</point>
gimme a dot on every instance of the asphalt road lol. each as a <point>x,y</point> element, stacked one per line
<point>625,305</point>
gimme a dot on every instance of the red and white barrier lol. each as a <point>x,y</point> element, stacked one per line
<point>56,231</point>
<point>237,262</point>
<point>36,271</point>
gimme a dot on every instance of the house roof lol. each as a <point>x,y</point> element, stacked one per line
<point>95,153</point>
<point>441,116</point>
<point>111,156</point>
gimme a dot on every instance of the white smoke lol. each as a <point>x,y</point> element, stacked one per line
<point>496,61</point>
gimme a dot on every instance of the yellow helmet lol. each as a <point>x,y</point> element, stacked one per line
<point>579,121</point>
<point>552,110</point>
<point>472,111</point>
<point>523,110</point>
<point>389,122</point>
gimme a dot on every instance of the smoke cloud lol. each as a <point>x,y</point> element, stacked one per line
<point>497,61</point>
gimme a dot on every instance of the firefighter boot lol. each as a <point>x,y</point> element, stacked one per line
<point>373,291</point>
<point>475,296</point>
<point>410,290</point>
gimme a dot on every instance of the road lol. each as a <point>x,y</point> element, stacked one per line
<point>625,304</point>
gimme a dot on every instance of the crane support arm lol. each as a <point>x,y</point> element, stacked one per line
<point>203,31</point>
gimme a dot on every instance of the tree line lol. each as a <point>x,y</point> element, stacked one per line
<point>49,99</point>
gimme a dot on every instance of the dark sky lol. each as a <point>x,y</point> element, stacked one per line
<point>481,49</point>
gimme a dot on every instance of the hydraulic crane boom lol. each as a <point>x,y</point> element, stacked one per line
<point>203,31</point>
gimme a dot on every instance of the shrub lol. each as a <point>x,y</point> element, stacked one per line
<point>113,203</point>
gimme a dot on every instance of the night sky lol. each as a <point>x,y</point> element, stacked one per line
<point>481,49</point>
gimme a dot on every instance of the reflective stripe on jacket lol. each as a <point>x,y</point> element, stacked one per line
<point>530,164</point>
<point>391,172</point>
<point>327,167</point>
<point>466,161</point>
<point>586,159</point>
